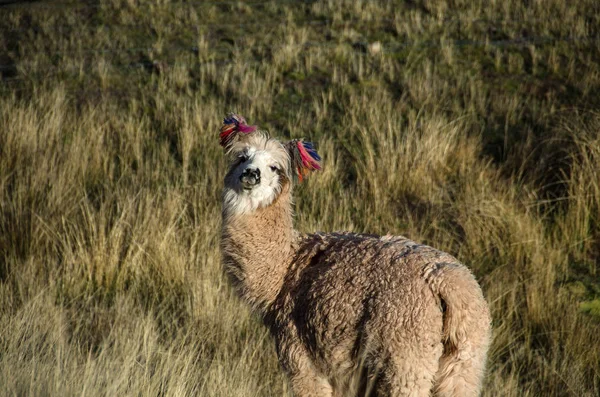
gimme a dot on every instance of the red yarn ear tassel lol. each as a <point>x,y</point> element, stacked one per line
<point>307,159</point>
<point>232,125</point>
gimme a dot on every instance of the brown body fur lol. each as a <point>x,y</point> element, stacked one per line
<point>353,313</point>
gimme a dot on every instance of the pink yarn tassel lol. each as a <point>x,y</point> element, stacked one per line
<point>232,125</point>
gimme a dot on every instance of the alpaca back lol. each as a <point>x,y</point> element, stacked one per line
<point>355,301</point>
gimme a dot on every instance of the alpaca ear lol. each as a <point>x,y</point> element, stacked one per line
<point>304,158</point>
<point>233,125</point>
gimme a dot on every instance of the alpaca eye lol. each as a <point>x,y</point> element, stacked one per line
<point>273,168</point>
<point>243,158</point>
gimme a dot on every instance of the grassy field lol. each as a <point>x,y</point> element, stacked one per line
<point>470,126</point>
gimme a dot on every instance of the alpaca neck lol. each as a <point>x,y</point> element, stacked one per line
<point>257,249</point>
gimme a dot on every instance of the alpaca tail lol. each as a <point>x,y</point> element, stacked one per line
<point>466,330</point>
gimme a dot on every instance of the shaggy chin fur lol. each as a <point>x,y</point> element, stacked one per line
<point>350,314</point>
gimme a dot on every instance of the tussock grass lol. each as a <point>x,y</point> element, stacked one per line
<point>475,130</point>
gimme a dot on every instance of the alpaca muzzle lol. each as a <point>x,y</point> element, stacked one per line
<point>250,178</point>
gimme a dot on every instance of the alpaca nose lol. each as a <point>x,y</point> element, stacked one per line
<point>250,177</point>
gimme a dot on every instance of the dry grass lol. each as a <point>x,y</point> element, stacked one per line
<point>476,130</point>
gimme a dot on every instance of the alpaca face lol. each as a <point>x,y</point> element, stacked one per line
<point>260,166</point>
<point>257,171</point>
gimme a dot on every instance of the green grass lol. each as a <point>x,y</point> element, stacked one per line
<point>476,130</point>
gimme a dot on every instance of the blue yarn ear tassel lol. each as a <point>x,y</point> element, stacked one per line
<point>311,150</point>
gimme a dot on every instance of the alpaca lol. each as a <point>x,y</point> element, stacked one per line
<point>351,314</point>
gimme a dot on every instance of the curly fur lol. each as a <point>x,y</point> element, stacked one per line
<point>354,313</point>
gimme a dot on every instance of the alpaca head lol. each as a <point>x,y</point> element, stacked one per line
<point>260,166</point>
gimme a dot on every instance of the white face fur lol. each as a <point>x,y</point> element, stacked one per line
<point>254,179</point>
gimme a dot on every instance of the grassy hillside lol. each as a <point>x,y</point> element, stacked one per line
<point>470,126</point>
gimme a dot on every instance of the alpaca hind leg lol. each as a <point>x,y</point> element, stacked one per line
<point>467,331</point>
<point>406,377</point>
<point>460,373</point>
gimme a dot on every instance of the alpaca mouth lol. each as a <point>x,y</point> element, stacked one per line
<point>250,183</point>
<point>250,178</point>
